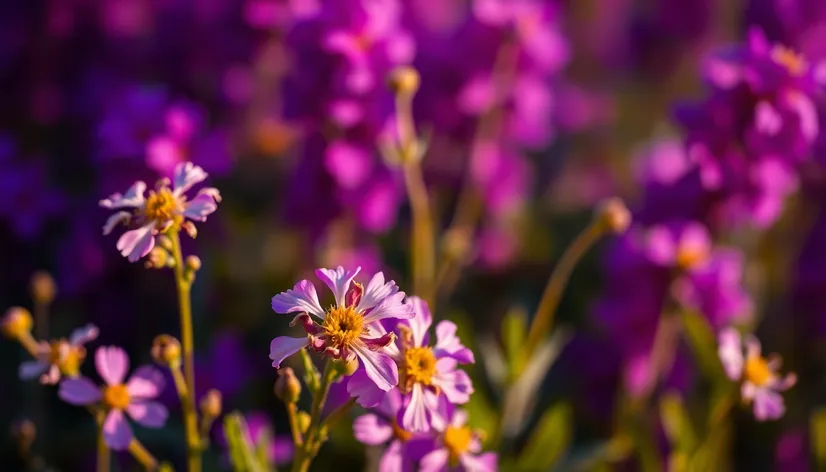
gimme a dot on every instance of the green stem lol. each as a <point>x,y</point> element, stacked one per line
<point>188,344</point>
<point>312,440</point>
<point>139,452</point>
<point>104,459</point>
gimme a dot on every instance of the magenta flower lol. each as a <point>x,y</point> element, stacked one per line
<point>426,372</point>
<point>156,212</point>
<point>761,382</point>
<point>348,329</point>
<point>60,357</point>
<point>134,397</point>
<point>458,448</point>
<point>685,246</point>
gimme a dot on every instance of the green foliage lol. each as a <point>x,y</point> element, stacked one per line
<point>701,339</point>
<point>514,333</point>
<point>550,439</point>
<point>817,427</point>
<point>243,454</point>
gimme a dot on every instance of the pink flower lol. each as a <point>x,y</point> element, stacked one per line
<point>458,448</point>
<point>760,381</point>
<point>60,357</point>
<point>156,212</point>
<point>134,397</point>
<point>348,329</point>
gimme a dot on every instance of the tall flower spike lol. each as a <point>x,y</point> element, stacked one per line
<point>156,212</point>
<point>348,329</point>
<point>759,377</point>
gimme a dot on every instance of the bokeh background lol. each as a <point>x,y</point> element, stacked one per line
<point>533,111</point>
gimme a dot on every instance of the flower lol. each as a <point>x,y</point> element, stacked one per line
<point>458,448</point>
<point>760,381</point>
<point>60,357</point>
<point>161,209</point>
<point>427,373</point>
<point>348,329</point>
<point>134,397</point>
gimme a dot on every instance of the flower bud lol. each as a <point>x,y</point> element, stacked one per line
<point>404,80</point>
<point>346,368</point>
<point>165,242</point>
<point>287,387</point>
<point>613,215</point>
<point>193,263</point>
<point>158,258</point>
<point>303,419</point>
<point>166,351</point>
<point>17,323</point>
<point>211,404</point>
<point>24,433</point>
<point>43,287</point>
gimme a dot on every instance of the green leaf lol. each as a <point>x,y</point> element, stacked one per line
<point>549,440</point>
<point>818,434</point>
<point>677,424</point>
<point>311,376</point>
<point>262,449</point>
<point>703,344</point>
<point>241,449</point>
<point>514,332</point>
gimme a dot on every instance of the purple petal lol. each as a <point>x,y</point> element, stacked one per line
<point>283,347</point>
<point>137,243</point>
<point>372,430</point>
<point>146,382</point>
<point>455,384</point>
<point>436,461</point>
<point>187,174</point>
<point>348,164</point>
<point>83,335</point>
<point>395,460</point>
<point>112,364</point>
<point>338,280</point>
<point>78,391</point>
<point>768,405</point>
<point>417,412</point>
<point>807,114</point>
<point>660,246</point>
<point>116,219</point>
<point>766,119</point>
<point>116,431</point>
<point>482,463</point>
<point>390,307</point>
<point>149,414</point>
<point>421,320</point>
<point>364,390</point>
<point>381,369</point>
<point>200,207</point>
<point>32,369</point>
<point>52,376</point>
<point>730,351</point>
<point>163,154</point>
<point>302,297</point>
<point>447,343</point>
<point>133,198</point>
<point>375,291</point>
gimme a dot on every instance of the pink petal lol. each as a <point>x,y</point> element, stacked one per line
<point>364,390</point>
<point>116,431</point>
<point>302,298</point>
<point>730,351</point>
<point>51,377</point>
<point>348,164</point>
<point>695,238</point>
<point>421,320</point>
<point>768,405</point>
<point>660,246</point>
<point>381,369</point>
<point>435,461</point>
<point>283,347</point>
<point>116,219</point>
<point>149,414</point>
<point>447,343</point>
<point>338,280</point>
<point>132,199</point>
<point>163,154</point>
<point>372,430</point>
<point>187,174</point>
<point>390,307</point>
<point>137,243</point>
<point>146,382</point>
<point>456,385</point>
<point>84,335</point>
<point>78,391</point>
<point>417,412</point>
<point>375,291</point>
<point>112,364</point>
<point>482,463</point>
<point>394,459</point>
<point>200,207</point>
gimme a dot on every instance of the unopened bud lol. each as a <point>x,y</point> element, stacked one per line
<point>17,323</point>
<point>346,368</point>
<point>190,229</point>
<point>211,404</point>
<point>193,263</point>
<point>43,287</point>
<point>404,80</point>
<point>287,387</point>
<point>456,244</point>
<point>158,258</point>
<point>165,242</point>
<point>166,351</point>
<point>614,215</point>
<point>303,419</point>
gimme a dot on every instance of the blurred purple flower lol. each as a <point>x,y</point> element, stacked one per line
<point>29,201</point>
<point>131,118</point>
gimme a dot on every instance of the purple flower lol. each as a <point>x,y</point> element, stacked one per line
<point>134,397</point>
<point>131,119</point>
<point>60,357</point>
<point>155,213</point>
<point>684,246</point>
<point>760,381</point>
<point>28,201</point>
<point>427,373</point>
<point>458,448</point>
<point>348,329</point>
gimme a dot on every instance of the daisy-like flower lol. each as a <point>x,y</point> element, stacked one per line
<point>381,426</point>
<point>457,448</point>
<point>761,382</point>
<point>133,397</point>
<point>156,212</point>
<point>427,372</point>
<point>348,329</point>
<point>59,357</point>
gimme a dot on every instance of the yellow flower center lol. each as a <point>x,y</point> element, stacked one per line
<point>160,206</point>
<point>419,365</point>
<point>795,63</point>
<point>758,371</point>
<point>17,323</point>
<point>116,397</point>
<point>343,326</point>
<point>689,257</point>
<point>66,357</point>
<point>457,441</point>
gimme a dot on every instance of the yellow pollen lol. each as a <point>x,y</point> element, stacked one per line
<point>795,63</point>
<point>160,206</point>
<point>419,365</point>
<point>457,441</point>
<point>689,257</point>
<point>343,326</point>
<point>758,371</point>
<point>116,397</point>
<point>66,357</point>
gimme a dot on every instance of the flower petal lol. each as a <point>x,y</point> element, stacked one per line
<point>768,405</point>
<point>78,391</point>
<point>146,382</point>
<point>187,174</point>
<point>137,243</point>
<point>394,459</point>
<point>482,463</point>
<point>421,320</point>
<point>448,344</point>
<point>116,431</point>
<point>338,280</point>
<point>283,347</point>
<point>32,369</point>
<point>83,335</point>
<point>116,219</point>
<point>436,461</point>
<point>730,351</point>
<point>375,291</point>
<point>51,377</point>
<point>372,430</point>
<point>418,410</point>
<point>200,207</point>
<point>364,390</point>
<point>133,198</point>
<point>302,297</point>
<point>660,245</point>
<point>390,307</point>
<point>455,384</point>
<point>379,367</point>
<point>149,414</point>
<point>112,364</point>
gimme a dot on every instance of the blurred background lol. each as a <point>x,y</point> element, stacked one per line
<point>533,112</point>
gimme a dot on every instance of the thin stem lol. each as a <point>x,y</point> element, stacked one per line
<point>312,440</point>
<point>30,345</point>
<point>544,317</point>
<point>188,345</point>
<point>144,457</point>
<point>292,415</point>
<point>103,458</point>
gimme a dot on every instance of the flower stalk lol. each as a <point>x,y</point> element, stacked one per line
<point>103,456</point>
<point>313,439</point>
